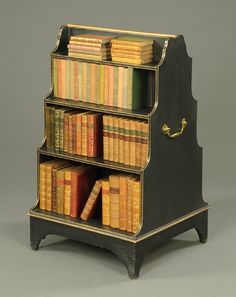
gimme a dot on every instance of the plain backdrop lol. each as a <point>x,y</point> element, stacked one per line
<point>183,267</point>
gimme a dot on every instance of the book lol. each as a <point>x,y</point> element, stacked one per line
<point>94,135</point>
<point>49,126</point>
<point>84,134</point>
<point>57,130</point>
<point>67,190</point>
<point>55,81</point>
<point>136,205</point>
<point>110,86</point>
<point>110,139</point>
<point>105,202</point>
<point>114,188</point>
<point>132,143</point>
<point>93,38</point>
<point>42,185</point>
<point>105,138</point>
<point>126,142</point>
<point>60,190</point>
<point>123,202</point>
<point>130,181</point>
<point>120,87</point>
<point>106,85</point>
<point>144,143</point>
<point>133,48</point>
<point>121,140</point>
<point>92,201</point>
<point>89,56</point>
<point>115,139</point>
<point>63,79</point>
<point>132,41</point>
<point>138,143</point>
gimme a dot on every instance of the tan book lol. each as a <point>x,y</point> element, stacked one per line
<point>110,139</point>
<point>126,123</point>
<point>84,82</point>
<point>144,143</point>
<point>91,202</point>
<point>93,38</point>
<point>106,84</point>
<point>60,191</point>
<point>132,61</point>
<point>42,185</point>
<point>92,45</point>
<point>111,86</point>
<point>120,86</point>
<point>129,219</point>
<point>100,57</point>
<point>129,51</point>
<point>136,205</point>
<point>67,190</point>
<point>84,134</point>
<point>132,143</point>
<point>105,138</point>
<point>105,202</point>
<point>116,139</point>
<point>123,202</point>
<point>121,140</point>
<point>133,48</point>
<point>138,155</point>
<point>114,183</point>
<point>93,83</point>
<point>132,41</point>
<point>72,80</point>
<point>132,56</point>
<point>63,78</point>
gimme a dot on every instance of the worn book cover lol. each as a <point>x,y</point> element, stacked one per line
<point>121,140</point>
<point>144,143</point>
<point>105,138</point>
<point>110,139</point>
<point>114,183</point>
<point>116,139</point>
<point>126,123</point>
<point>94,135</point>
<point>132,143</point>
<point>129,218</point>
<point>136,205</point>
<point>105,202</point>
<point>57,130</point>
<point>123,202</point>
<point>138,143</point>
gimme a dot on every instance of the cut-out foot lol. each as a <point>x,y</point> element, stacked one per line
<point>202,228</point>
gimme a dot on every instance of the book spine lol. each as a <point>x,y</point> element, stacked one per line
<point>136,206</point>
<point>116,139</point>
<point>55,85</point>
<point>126,141</point>
<point>76,81</point>
<point>74,133</point>
<point>84,82</point>
<point>59,77</point>
<point>67,78</point>
<point>105,203</point>
<point>123,202</point>
<point>101,94</point>
<point>57,130</point>
<point>115,86</point>
<point>111,82</point>
<point>129,204</point>
<point>110,139</point>
<point>138,143</point>
<point>61,130</point>
<point>60,191</point>
<point>121,140</point>
<point>93,84</point>
<point>130,48</point>
<point>120,86</point>
<point>91,202</point>
<point>48,127</point>
<point>114,183</point>
<point>74,194</point>
<point>78,134</point>
<point>106,85</point>
<point>129,88</point>
<point>66,132</point>
<point>52,127</point>
<point>67,192</point>
<point>72,80</point>
<point>48,184</point>
<point>125,81</point>
<point>88,83</point>
<point>42,186</point>
<point>63,79</point>
<point>97,93</point>
<point>54,189</point>
<point>91,135</point>
<point>70,132</point>
<point>132,143</point>
<point>105,138</point>
<point>84,149</point>
<point>144,143</point>
<point>80,80</point>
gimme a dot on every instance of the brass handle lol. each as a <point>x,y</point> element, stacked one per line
<point>166,129</point>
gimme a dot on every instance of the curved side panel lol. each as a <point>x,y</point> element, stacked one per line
<point>173,177</point>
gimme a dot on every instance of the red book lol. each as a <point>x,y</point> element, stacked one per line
<point>82,182</point>
<point>94,135</point>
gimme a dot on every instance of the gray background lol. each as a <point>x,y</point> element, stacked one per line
<point>183,267</point>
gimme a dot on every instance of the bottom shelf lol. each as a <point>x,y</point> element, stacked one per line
<point>93,225</point>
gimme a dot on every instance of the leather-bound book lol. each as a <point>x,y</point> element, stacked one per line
<point>132,142</point>
<point>126,141</point>
<point>80,81</point>
<point>88,83</point>
<point>74,133</point>
<point>84,120</point>
<point>111,86</point>
<point>76,80</point>
<point>145,143</point>
<point>93,83</point>
<point>70,133</point>
<point>57,130</point>
<point>59,77</point>
<point>110,139</point>
<point>60,190</point>
<point>124,92</point>
<point>42,184</point>
<point>130,182</point>
<point>72,80</point>
<point>49,126</point>
<point>106,85</point>
<point>66,132</point>
<point>121,140</point>
<point>114,183</point>
<point>67,78</point>
<point>63,78</point>
<point>123,202</point>
<point>92,201</point>
<point>94,135</point>
<point>116,139</point>
<point>115,85</point>
<point>101,94</point>
<point>55,85</point>
<point>82,181</point>
<point>84,82</point>
<point>97,92</point>
<point>105,138</point>
<point>105,202</point>
<point>78,133</point>
<point>67,190</point>
<point>136,205</point>
<point>120,86</point>
<point>138,143</point>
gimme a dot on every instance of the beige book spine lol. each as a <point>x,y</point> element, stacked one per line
<point>114,183</point>
<point>121,140</point>
<point>105,138</point>
<point>120,86</point>
<point>123,202</point>
<point>105,203</point>
<point>129,203</point>
<point>136,205</point>
<point>116,138</point>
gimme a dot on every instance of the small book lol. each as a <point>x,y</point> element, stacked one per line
<point>105,202</point>
<point>57,130</point>
<point>92,201</point>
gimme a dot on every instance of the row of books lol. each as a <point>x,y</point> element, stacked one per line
<point>121,202</point>
<point>123,87</point>
<point>74,132</point>
<point>125,49</point>
<point>125,141</point>
<point>64,188</point>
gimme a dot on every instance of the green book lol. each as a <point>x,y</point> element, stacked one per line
<point>62,112</point>
<point>115,85</point>
<point>57,130</point>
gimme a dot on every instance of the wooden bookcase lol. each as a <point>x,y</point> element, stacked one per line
<point>171,180</point>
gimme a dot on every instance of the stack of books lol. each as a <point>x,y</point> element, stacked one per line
<point>64,188</point>
<point>90,46</point>
<point>74,132</point>
<point>133,50</point>
<point>123,87</point>
<point>125,140</point>
<point>121,202</point>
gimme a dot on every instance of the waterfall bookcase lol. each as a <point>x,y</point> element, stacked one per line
<point>171,180</point>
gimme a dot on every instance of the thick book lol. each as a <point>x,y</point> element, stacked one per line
<point>101,57</point>
<point>133,48</point>
<point>94,135</point>
<point>110,139</point>
<point>90,205</point>
<point>116,139</point>
<point>136,205</point>
<point>114,183</point>
<point>105,138</point>
<point>130,182</point>
<point>105,202</point>
<point>132,142</point>
<point>120,87</point>
<point>132,41</point>
<point>126,123</point>
<point>123,202</point>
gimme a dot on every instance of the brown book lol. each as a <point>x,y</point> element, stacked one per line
<point>82,181</point>
<point>94,135</point>
<point>138,143</point>
<point>78,133</point>
<point>144,143</point>
<point>132,142</point>
<point>92,201</point>
<point>126,141</point>
<point>49,126</point>
<point>105,138</point>
<point>60,191</point>
<point>67,190</point>
<point>42,185</point>
<point>70,134</point>
<point>123,201</point>
<point>121,140</point>
<point>114,183</point>
<point>136,205</point>
<point>110,139</point>
<point>116,139</point>
<point>66,132</point>
<point>105,202</point>
<point>74,133</point>
<point>130,182</point>
<point>84,133</point>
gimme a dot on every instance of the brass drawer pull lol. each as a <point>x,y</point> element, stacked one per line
<point>166,129</point>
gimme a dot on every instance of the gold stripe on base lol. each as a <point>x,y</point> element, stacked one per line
<point>113,234</point>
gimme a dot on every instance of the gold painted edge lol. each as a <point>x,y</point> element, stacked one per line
<point>77,26</point>
<point>31,213</point>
